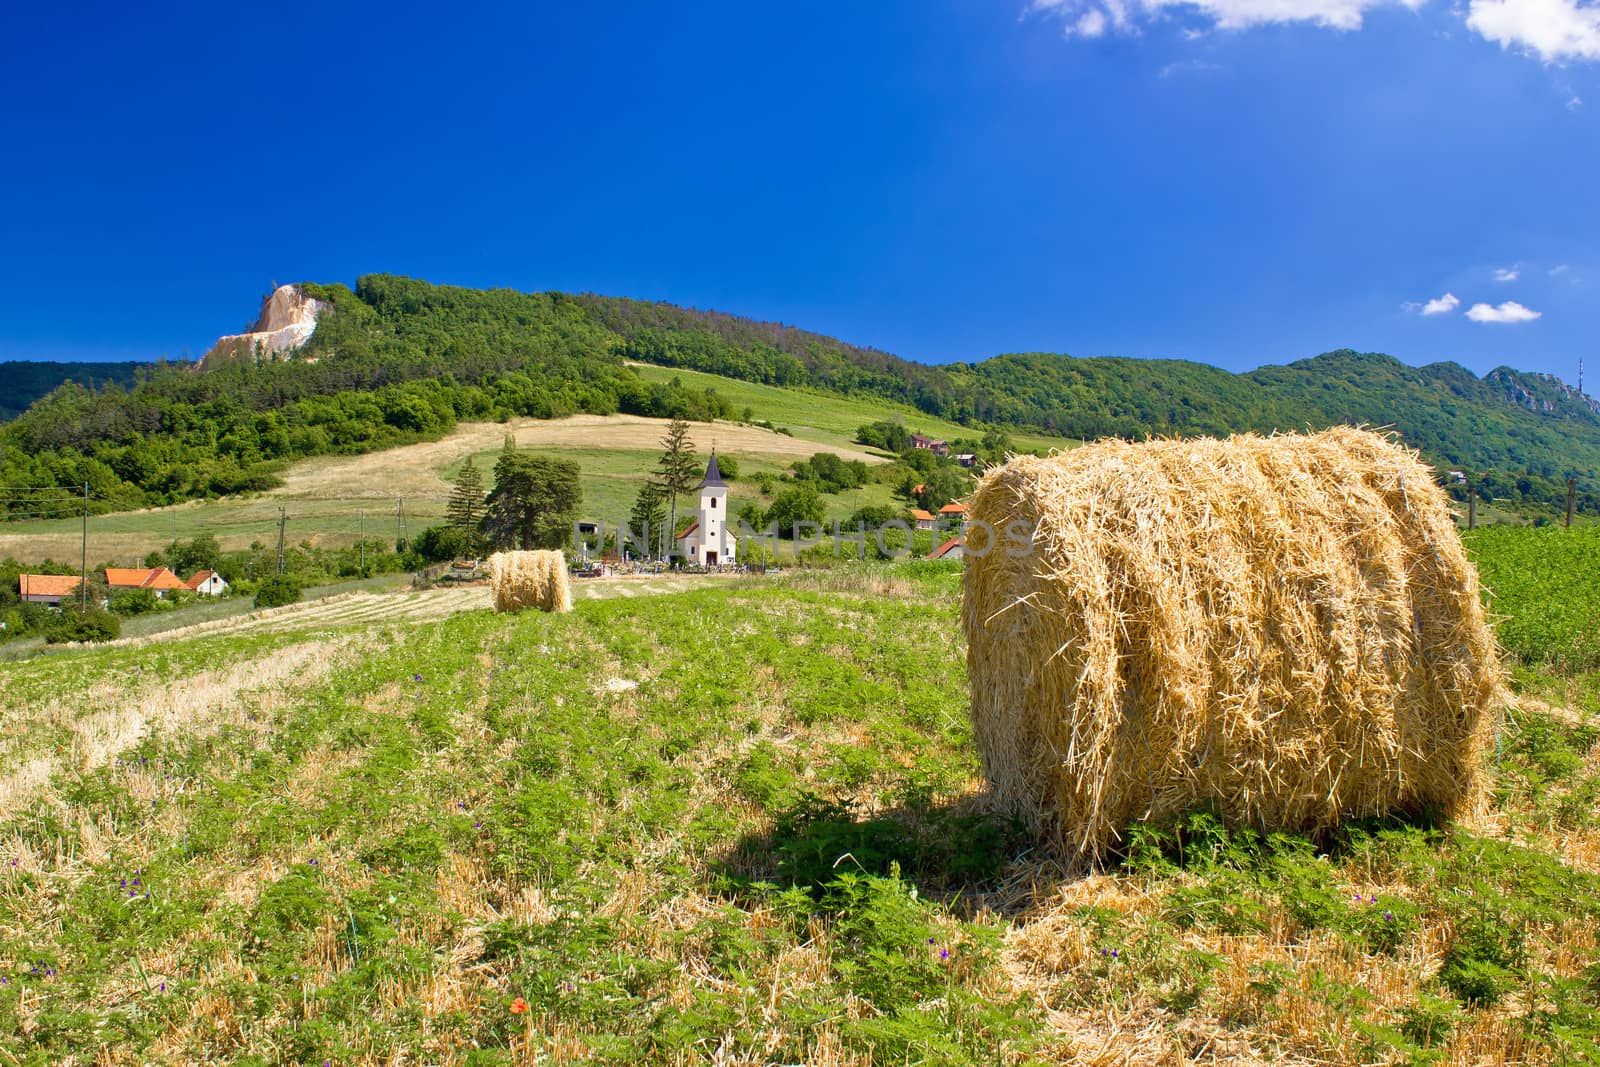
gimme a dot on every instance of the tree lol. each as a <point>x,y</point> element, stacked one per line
<point>465,510</point>
<point>534,503</point>
<point>649,511</point>
<point>277,591</point>
<point>676,467</point>
<point>798,504</point>
<point>942,486</point>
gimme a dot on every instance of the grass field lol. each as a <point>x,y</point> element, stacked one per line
<point>732,822</point>
<point>829,419</point>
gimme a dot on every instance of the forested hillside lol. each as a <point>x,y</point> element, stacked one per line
<point>26,381</point>
<point>400,360</point>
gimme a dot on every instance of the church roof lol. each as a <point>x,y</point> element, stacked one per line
<point>713,476</point>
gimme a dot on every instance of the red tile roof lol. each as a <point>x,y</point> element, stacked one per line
<point>197,579</point>
<point>920,515</point>
<point>142,578</point>
<point>693,526</point>
<point>942,550</point>
<point>47,584</point>
<point>953,509</point>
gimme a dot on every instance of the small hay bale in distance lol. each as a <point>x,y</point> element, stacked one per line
<point>1284,628</point>
<point>535,579</point>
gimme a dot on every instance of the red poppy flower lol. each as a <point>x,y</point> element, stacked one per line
<point>519,1006</point>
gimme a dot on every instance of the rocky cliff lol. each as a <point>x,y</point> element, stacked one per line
<point>286,322</point>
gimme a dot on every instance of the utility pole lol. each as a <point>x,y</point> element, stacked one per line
<point>1572,499</point>
<point>1472,507</point>
<point>363,544</point>
<point>83,568</point>
<point>400,525</point>
<point>280,540</point>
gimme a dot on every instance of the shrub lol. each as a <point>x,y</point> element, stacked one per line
<point>78,624</point>
<point>277,591</point>
<point>130,602</point>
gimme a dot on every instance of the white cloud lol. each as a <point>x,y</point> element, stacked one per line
<point>1510,311</point>
<point>1554,30</point>
<point>1559,268</point>
<point>1188,66</point>
<point>1575,103</point>
<point>1091,23</point>
<point>1440,306</point>
<point>1508,274</point>
<point>1124,15</point>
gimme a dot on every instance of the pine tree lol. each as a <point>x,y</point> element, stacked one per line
<point>649,511</point>
<point>465,510</point>
<point>676,470</point>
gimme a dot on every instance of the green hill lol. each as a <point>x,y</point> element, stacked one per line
<point>398,360</point>
<point>27,381</point>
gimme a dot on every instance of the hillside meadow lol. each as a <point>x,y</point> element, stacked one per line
<point>735,822</point>
<point>330,500</point>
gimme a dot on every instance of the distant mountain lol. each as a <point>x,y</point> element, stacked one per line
<point>22,382</point>
<point>397,360</point>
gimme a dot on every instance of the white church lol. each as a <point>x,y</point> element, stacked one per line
<point>708,541</point>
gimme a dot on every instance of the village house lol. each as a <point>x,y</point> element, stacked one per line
<point>158,580</point>
<point>954,548</point>
<point>207,583</point>
<point>707,541</point>
<point>967,459</point>
<point>49,589</point>
<point>953,512</point>
<point>924,520</point>
<point>938,448</point>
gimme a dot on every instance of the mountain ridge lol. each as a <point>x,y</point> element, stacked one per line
<point>398,359</point>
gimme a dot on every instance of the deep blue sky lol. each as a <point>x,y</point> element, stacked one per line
<point>945,180</point>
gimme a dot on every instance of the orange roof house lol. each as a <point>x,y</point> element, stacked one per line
<point>953,509</point>
<point>46,588</point>
<point>158,579</point>
<point>951,549</point>
<point>924,519</point>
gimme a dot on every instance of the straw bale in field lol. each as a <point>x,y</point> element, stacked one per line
<point>1284,628</point>
<point>529,580</point>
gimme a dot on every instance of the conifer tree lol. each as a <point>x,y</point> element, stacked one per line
<point>676,470</point>
<point>465,510</point>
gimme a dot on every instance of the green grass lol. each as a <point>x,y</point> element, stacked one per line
<point>735,823</point>
<point>829,419</point>
<point>1544,586</point>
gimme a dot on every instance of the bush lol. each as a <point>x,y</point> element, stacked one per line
<point>131,602</point>
<point>77,624</point>
<point>439,543</point>
<point>277,591</point>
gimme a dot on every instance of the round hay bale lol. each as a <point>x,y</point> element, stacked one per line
<point>1284,628</point>
<point>529,580</point>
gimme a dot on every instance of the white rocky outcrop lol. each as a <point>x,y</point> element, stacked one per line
<point>288,318</point>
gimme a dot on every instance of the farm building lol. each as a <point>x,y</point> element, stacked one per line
<point>938,448</point>
<point>207,583</point>
<point>955,548</point>
<point>48,589</point>
<point>707,540</point>
<point>924,519</point>
<point>159,580</point>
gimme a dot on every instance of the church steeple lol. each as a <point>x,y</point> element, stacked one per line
<point>713,478</point>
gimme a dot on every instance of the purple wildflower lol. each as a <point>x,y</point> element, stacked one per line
<point>944,954</point>
<point>1388,916</point>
